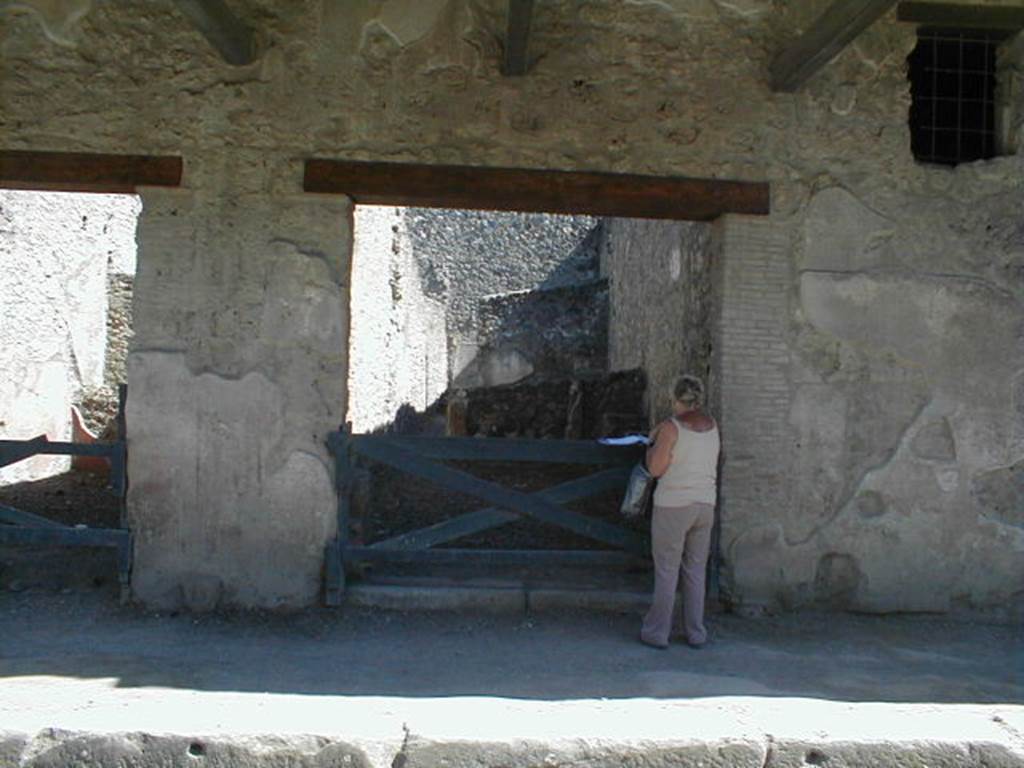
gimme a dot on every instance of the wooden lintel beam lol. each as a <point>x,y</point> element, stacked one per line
<point>1001,17</point>
<point>538,191</point>
<point>834,29</point>
<point>84,172</point>
<point>229,36</point>
<point>520,14</point>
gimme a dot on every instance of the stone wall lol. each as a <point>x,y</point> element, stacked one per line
<point>466,256</point>
<point>552,333</point>
<point>60,252</point>
<point>886,475</point>
<point>662,302</point>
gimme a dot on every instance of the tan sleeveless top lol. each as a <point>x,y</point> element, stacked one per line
<point>691,475</point>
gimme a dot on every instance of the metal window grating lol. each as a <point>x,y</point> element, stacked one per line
<point>952,86</point>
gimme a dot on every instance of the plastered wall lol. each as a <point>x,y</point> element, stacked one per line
<point>399,341</point>
<point>873,442</point>
<point>58,253</point>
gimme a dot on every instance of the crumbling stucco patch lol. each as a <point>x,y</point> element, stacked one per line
<point>837,580</point>
<point>1000,494</point>
<point>841,233</point>
<point>276,502</point>
<point>58,18</point>
<point>870,504</point>
<point>934,441</point>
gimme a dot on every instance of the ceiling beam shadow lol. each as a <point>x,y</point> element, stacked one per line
<point>231,38</point>
<point>835,28</point>
<point>520,15</point>
<point>1004,17</point>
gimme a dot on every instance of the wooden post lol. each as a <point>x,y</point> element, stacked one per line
<point>574,411</point>
<point>122,438</point>
<point>341,446</point>
<point>457,414</point>
<point>519,17</point>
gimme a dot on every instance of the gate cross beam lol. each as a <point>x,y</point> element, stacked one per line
<point>522,503</point>
<point>484,519</point>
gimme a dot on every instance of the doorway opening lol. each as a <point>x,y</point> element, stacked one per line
<point>480,324</point>
<point>65,326</point>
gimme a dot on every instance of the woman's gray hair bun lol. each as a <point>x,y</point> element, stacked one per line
<point>688,390</point>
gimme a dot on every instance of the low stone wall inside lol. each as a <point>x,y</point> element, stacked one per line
<point>554,332</point>
<point>599,406</point>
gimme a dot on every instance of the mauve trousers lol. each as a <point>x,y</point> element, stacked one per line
<point>680,542</point>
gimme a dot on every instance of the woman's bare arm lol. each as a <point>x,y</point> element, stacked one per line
<point>659,455</point>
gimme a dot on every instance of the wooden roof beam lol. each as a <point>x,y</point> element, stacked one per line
<point>520,15</point>
<point>835,28</point>
<point>998,17</point>
<point>83,172</point>
<point>535,191</point>
<point>230,37</point>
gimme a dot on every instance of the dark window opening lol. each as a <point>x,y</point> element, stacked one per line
<point>953,95</point>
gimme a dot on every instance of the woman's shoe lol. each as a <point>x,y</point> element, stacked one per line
<point>650,644</point>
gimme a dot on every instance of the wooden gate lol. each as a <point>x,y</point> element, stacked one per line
<point>18,527</point>
<point>420,457</point>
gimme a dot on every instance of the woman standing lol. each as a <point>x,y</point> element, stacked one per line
<point>684,458</point>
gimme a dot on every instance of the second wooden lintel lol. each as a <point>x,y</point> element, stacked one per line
<point>535,191</point>
<point>86,172</point>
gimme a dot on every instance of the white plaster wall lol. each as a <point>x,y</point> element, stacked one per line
<point>399,349</point>
<point>56,251</point>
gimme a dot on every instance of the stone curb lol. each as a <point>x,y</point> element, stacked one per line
<point>58,749</point>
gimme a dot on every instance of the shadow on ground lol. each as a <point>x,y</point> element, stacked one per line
<point>570,655</point>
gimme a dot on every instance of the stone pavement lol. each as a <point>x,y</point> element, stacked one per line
<point>84,682</point>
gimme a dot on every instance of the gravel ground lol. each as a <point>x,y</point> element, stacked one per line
<point>73,498</point>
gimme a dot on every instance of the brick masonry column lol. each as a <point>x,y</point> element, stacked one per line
<point>236,374</point>
<point>755,276</point>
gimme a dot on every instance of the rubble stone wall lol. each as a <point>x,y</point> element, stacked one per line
<point>887,474</point>
<point>552,332</point>
<point>466,256</point>
<point>662,302</point>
